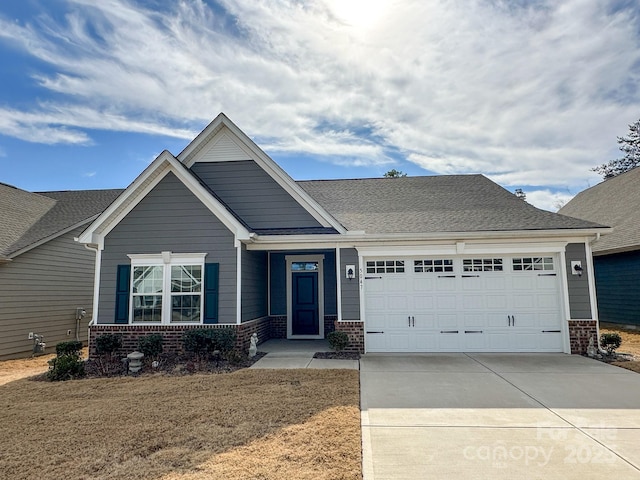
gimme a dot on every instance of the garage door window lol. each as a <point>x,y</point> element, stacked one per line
<point>482,265</point>
<point>385,266</point>
<point>433,266</point>
<point>532,263</point>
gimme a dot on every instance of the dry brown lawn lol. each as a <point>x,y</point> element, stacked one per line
<point>630,344</point>
<point>251,424</point>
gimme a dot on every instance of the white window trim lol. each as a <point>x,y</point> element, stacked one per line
<point>166,260</point>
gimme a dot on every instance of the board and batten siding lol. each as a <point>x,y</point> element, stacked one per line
<point>579,298</point>
<point>350,296</point>
<point>169,218</point>
<point>254,284</point>
<point>618,287</point>
<point>253,195</point>
<point>40,291</point>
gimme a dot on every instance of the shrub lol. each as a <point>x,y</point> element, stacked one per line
<point>338,340</point>
<point>72,347</point>
<point>108,344</point>
<point>151,345</point>
<point>610,342</point>
<point>203,342</point>
<point>65,367</point>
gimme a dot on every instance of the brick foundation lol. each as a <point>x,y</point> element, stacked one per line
<point>355,331</point>
<point>580,331</point>
<point>278,326</point>
<point>173,334</point>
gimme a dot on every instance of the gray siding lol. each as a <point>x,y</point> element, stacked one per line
<point>250,192</point>
<point>254,284</point>
<point>579,299</point>
<point>350,288</point>
<point>40,291</point>
<point>278,280</point>
<point>169,218</point>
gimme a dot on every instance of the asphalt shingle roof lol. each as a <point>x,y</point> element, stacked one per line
<point>27,218</point>
<point>431,204</point>
<point>614,202</point>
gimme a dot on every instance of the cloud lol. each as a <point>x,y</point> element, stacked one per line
<point>548,200</point>
<point>89,174</point>
<point>529,93</point>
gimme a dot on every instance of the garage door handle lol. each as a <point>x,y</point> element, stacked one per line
<point>509,320</point>
<point>448,331</point>
<point>374,332</point>
<point>470,276</point>
<point>446,276</point>
<point>370,278</point>
<point>473,331</point>
<point>547,274</point>
<point>551,331</point>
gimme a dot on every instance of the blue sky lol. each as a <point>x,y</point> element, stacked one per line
<point>530,93</point>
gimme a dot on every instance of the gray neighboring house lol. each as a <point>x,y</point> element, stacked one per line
<point>616,256</point>
<point>220,236</point>
<point>45,275</point>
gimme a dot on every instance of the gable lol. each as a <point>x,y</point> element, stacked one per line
<point>254,195</point>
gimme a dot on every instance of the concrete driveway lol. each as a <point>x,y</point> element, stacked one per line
<point>479,416</point>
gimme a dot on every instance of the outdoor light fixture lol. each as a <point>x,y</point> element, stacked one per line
<point>576,268</point>
<point>350,272</point>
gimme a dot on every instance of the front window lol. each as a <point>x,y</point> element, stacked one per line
<point>167,288</point>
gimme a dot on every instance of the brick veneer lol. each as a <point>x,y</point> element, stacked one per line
<point>580,331</point>
<point>355,331</point>
<point>278,326</point>
<point>173,334</point>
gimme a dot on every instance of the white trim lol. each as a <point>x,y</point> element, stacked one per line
<point>189,156</point>
<point>305,258</point>
<point>338,284</point>
<point>269,283</point>
<point>239,284</point>
<point>363,314</point>
<point>591,278</point>
<point>96,282</point>
<point>164,164</point>
<point>566,309</point>
<point>417,240</point>
<point>166,260</point>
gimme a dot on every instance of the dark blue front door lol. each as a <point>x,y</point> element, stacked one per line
<point>304,310</point>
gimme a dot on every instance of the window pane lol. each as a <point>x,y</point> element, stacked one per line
<point>186,278</point>
<point>147,308</point>
<point>185,308</point>
<point>147,279</point>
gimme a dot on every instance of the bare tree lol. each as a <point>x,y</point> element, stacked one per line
<point>630,145</point>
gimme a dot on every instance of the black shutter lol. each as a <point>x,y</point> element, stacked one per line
<point>122,294</point>
<point>211,274</point>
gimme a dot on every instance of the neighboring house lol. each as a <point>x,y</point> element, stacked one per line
<point>616,256</point>
<point>45,276</point>
<point>221,236</point>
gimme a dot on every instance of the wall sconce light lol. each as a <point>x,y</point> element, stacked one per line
<point>576,268</point>
<point>350,272</point>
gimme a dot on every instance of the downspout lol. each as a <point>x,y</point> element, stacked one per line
<point>592,289</point>
<point>96,290</point>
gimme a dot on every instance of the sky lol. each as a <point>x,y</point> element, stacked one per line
<point>531,94</point>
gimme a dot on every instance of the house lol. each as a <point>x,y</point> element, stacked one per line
<point>221,236</point>
<point>46,278</point>
<point>616,256</point>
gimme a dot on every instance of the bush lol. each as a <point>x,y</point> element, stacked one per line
<point>151,345</point>
<point>108,344</point>
<point>65,367</point>
<point>72,347</point>
<point>204,341</point>
<point>610,342</point>
<point>338,340</point>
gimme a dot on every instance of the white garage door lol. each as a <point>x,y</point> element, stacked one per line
<point>463,304</point>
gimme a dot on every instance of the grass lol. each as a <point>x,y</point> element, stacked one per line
<point>630,345</point>
<point>251,424</point>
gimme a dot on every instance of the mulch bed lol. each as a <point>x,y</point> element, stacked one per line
<point>337,355</point>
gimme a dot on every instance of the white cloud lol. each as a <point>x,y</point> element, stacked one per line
<point>548,200</point>
<point>527,93</point>
<point>89,174</point>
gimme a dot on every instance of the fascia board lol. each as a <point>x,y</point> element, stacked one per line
<point>268,165</point>
<point>138,190</point>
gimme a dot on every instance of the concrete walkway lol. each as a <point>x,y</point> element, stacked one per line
<point>299,354</point>
<point>498,416</point>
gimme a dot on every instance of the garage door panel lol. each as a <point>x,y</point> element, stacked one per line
<point>500,307</point>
